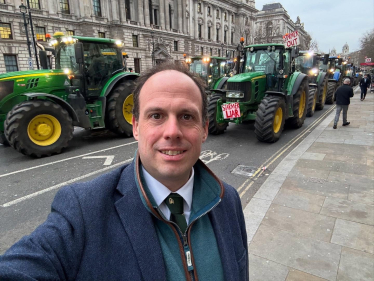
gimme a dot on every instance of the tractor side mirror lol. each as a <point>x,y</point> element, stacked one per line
<point>79,53</point>
<point>295,52</point>
<point>43,59</point>
<point>340,61</point>
<point>326,59</point>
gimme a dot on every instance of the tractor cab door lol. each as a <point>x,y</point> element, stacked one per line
<point>101,60</point>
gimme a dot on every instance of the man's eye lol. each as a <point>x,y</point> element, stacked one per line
<point>156,116</point>
<point>187,117</point>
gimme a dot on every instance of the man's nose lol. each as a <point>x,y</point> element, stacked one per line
<point>172,128</point>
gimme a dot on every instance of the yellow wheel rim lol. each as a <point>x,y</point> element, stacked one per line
<point>302,104</point>
<point>314,101</point>
<point>324,93</point>
<point>277,120</point>
<point>44,130</point>
<point>128,104</point>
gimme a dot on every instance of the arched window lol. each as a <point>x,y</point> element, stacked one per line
<point>199,7</point>
<point>217,14</point>
<point>150,11</point>
<point>208,11</point>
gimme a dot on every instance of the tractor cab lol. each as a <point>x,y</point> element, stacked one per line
<point>210,69</point>
<point>308,63</point>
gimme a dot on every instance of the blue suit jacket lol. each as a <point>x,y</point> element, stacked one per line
<point>100,230</point>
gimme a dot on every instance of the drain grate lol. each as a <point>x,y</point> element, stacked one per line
<point>246,171</point>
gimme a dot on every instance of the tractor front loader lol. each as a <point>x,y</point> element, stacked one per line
<point>89,88</point>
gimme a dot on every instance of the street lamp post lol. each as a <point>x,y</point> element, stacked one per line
<point>153,48</point>
<point>23,10</point>
<point>32,30</point>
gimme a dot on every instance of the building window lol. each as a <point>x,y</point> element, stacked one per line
<point>202,51</point>
<point>232,37</point>
<point>34,4</point>
<point>170,17</point>
<point>208,11</point>
<point>135,41</point>
<point>217,34</point>
<point>199,7</point>
<point>232,18</point>
<point>137,65</point>
<point>70,32</point>
<point>219,52</point>
<point>127,9</point>
<point>101,34</point>
<point>225,16</point>
<point>211,52</point>
<point>225,36</point>
<point>150,12</point>
<point>64,6</point>
<point>155,16</point>
<point>10,63</point>
<point>40,33</point>
<point>217,14</point>
<point>5,31</point>
<point>97,8</point>
<point>209,32</point>
<point>176,46</point>
<point>199,31</point>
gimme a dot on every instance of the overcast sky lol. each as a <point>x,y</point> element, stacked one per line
<point>331,23</point>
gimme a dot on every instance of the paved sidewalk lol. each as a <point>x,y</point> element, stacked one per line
<point>313,218</point>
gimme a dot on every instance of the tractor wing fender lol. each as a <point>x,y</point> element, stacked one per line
<point>321,78</point>
<point>293,85</point>
<point>220,92</point>
<point>221,82</point>
<point>333,80</point>
<point>116,79</point>
<point>313,85</point>
<point>282,95</point>
<point>57,100</point>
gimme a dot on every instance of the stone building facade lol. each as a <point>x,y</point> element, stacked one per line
<point>153,30</point>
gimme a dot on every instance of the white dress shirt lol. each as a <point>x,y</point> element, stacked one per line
<point>160,192</point>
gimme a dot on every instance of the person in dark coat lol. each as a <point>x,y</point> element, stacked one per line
<point>343,95</point>
<point>165,216</point>
<point>364,85</point>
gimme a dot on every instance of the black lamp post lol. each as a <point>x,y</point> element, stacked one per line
<point>23,10</point>
<point>153,48</point>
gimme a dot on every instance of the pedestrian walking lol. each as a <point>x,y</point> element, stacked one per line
<point>165,216</point>
<point>343,98</point>
<point>364,85</point>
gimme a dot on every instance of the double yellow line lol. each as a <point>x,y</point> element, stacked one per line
<point>245,186</point>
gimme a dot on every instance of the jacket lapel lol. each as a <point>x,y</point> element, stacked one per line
<point>138,224</point>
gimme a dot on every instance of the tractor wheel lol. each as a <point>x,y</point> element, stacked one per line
<point>270,118</point>
<point>38,128</point>
<point>313,97</point>
<point>3,140</point>
<point>215,128</point>
<point>300,103</point>
<point>119,110</point>
<point>322,95</point>
<point>331,87</point>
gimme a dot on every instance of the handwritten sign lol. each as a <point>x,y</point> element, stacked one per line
<point>367,59</point>
<point>231,110</point>
<point>291,39</point>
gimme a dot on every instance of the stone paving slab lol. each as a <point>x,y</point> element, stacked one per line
<point>296,275</point>
<point>318,165</point>
<point>355,265</point>
<point>303,223</point>
<point>354,159</point>
<point>299,200</point>
<point>348,210</point>
<point>361,195</point>
<point>300,172</point>
<point>313,156</point>
<point>354,235</point>
<point>261,269</point>
<point>351,179</point>
<point>315,257</point>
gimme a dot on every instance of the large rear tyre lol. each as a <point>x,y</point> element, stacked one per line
<point>300,103</point>
<point>322,95</point>
<point>119,111</point>
<point>215,128</point>
<point>331,87</point>
<point>313,97</point>
<point>3,140</point>
<point>38,128</point>
<point>270,118</point>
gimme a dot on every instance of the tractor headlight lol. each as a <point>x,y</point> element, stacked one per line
<point>281,71</point>
<point>67,71</point>
<point>251,49</point>
<point>332,70</point>
<point>209,80</point>
<point>236,95</point>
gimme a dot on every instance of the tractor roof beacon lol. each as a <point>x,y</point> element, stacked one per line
<point>267,90</point>
<point>88,88</point>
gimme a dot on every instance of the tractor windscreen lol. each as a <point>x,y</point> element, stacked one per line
<point>65,57</point>
<point>304,62</point>
<point>200,68</point>
<point>262,60</point>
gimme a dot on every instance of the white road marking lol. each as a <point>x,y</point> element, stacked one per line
<point>67,159</point>
<point>212,156</point>
<point>62,184</point>
<point>108,159</point>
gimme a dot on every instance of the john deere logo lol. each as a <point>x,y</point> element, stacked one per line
<point>171,201</point>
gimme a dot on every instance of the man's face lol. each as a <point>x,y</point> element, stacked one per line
<point>170,130</point>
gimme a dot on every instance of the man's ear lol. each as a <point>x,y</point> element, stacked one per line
<point>205,133</point>
<point>135,126</point>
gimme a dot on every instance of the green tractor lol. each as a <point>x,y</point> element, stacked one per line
<point>268,91</point>
<point>333,69</point>
<point>88,88</point>
<point>308,63</point>
<point>213,70</point>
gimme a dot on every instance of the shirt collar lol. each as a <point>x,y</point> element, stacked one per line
<point>160,191</point>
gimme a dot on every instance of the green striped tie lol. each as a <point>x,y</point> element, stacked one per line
<point>175,203</point>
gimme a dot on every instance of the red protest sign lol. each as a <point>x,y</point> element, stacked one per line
<point>231,110</point>
<point>291,39</point>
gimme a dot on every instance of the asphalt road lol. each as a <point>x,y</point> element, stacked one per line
<point>27,186</point>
